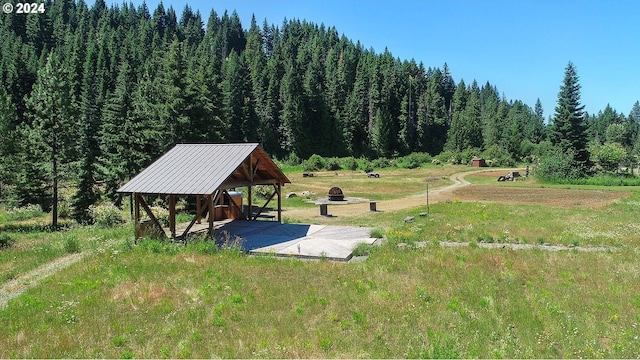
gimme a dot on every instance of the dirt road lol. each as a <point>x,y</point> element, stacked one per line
<point>435,195</point>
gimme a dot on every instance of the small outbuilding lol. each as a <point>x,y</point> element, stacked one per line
<point>478,162</point>
<point>208,173</point>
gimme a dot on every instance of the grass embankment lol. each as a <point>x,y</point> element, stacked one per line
<point>405,300</point>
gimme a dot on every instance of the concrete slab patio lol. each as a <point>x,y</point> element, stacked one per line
<point>298,240</point>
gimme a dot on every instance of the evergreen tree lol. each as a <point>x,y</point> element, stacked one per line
<point>569,131</point>
<point>53,112</point>
<point>240,115</point>
<point>457,135</point>
<point>87,194</point>
<point>8,142</point>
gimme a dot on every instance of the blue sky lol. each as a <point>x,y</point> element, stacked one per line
<point>520,46</point>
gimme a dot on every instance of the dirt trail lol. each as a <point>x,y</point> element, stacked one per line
<point>15,287</point>
<point>435,195</point>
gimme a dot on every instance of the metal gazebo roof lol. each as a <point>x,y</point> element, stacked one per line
<point>198,169</point>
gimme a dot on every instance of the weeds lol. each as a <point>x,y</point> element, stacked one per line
<point>24,213</point>
<point>106,215</point>
<point>71,244</point>
<point>6,241</point>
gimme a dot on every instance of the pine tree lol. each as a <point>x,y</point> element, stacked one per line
<point>8,142</point>
<point>569,130</point>
<point>53,112</point>
<point>456,137</point>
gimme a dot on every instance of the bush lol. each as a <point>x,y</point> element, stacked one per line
<point>6,241</point>
<point>106,215</point>
<point>293,160</point>
<point>380,163</point>
<point>314,163</point>
<point>448,157</point>
<point>349,163</point>
<point>364,164</point>
<point>263,191</point>
<point>413,160</point>
<point>558,165</point>
<point>161,214</point>
<point>497,156</point>
<point>24,213</point>
<point>332,164</point>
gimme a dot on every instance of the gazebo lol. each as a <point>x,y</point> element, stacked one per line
<point>206,172</point>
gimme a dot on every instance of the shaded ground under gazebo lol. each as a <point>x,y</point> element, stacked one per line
<point>208,173</point>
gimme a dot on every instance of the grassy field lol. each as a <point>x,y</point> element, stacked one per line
<point>411,298</point>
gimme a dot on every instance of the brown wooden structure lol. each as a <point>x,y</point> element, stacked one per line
<point>206,172</point>
<point>478,162</point>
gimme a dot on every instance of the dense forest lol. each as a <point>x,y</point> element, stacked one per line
<point>93,94</point>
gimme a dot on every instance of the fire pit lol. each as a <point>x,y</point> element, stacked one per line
<point>336,194</point>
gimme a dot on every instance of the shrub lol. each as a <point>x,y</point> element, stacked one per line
<point>263,191</point>
<point>24,213</point>
<point>314,163</point>
<point>380,163</point>
<point>6,241</point>
<point>449,157</point>
<point>350,163</point>
<point>609,155</point>
<point>161,214</point>
<point>558,165</point>
<point>332,164</point>
<point>497,156</point>
<point>106,215</point>
<point>413,160</point>
<point>293,160</point>
<point>364,164</point>
<point>467,155</point>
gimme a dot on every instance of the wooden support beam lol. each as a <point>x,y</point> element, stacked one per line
<point>231,203</point>
<point>237,184</point>
<point>255,170</point>
<point>279,191</point>
<point>198,209</point>
<point>147,209</point>
<point>211,199</point>
<point>136,217</point>
<point>263,206</point>
<point>250,201</point>
<point>172,216</point>
<point>197,218</point>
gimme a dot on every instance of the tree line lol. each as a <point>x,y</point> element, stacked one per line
<point>92,94</point>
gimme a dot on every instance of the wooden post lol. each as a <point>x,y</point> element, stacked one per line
<point>279,190</point>
<point>211,217</point>
<point>172,216</point>
<point>427,198</point>
<point>136,216</point>
<point>198,208</point>
<point>250,210</point>
<point>249,198</point>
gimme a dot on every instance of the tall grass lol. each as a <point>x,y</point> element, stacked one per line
<point>429,302</point>
<point>410,298</point>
